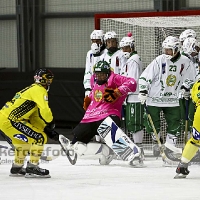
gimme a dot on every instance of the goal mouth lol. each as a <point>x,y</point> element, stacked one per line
<point>149,29</point>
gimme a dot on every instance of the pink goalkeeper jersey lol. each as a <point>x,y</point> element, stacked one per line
<point>98,108</point>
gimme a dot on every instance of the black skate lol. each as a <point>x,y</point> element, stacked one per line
<point>182,170</point>
<point>33,171</point>
<point>16,171</point>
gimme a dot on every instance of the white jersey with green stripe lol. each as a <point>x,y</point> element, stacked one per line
<point>133,68</point>
<point>163,78</point>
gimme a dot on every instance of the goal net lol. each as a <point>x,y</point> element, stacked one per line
<point>149,30</point>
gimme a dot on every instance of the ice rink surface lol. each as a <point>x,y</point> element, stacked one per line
<point>87,180</point>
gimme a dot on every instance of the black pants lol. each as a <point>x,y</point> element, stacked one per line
<point>84,132</point>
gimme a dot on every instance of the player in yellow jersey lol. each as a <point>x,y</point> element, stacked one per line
<point>193,143</point>
<point>26,121</point>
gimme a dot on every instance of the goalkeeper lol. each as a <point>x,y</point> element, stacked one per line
<point>109,91</point>
<point>26,121</point>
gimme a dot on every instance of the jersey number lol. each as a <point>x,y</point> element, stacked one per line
<point>172,68</point>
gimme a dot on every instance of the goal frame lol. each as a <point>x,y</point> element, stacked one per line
<point>147,143</point>
<point>99,16</point>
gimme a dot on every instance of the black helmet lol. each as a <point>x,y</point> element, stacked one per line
<point>43,76</point>
<point>102,66</point>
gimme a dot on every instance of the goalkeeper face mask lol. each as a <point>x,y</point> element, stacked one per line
<point>101,77</point>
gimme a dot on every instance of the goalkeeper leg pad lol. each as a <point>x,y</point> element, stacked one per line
<point>102,151</point>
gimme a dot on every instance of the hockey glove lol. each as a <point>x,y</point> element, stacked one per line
<point>187,84</point>
<point>142,96</point>
<point>49,130</point>
<point>95,48</point>
<point>111,95</point>
<point>86,102</point>
<point>185,88</point>
<point>185,93</point>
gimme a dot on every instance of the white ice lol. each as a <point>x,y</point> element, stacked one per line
<point>87,180</point>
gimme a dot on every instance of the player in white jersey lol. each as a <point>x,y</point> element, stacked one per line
<point>114,56</point>
<point>133,108</point>
<point>92,57</point>
<point>188,33</point>
<point>190,49</point>
<point>159,87</point>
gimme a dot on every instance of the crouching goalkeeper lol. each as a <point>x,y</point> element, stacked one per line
<point>108,93</point>
<point>193,143</point>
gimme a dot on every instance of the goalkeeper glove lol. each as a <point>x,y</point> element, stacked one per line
<point>86,102</point>
<point>111,95</point>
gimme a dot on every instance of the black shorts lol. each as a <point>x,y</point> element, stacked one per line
<point>84,132</point>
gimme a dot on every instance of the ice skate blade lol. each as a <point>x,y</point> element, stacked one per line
<point>16,175</point>
<point>180,176</point>
<point>136,164</point>
<point>29,175</point>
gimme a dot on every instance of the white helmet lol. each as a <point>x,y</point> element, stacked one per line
<point>173,43</point>
<point>127,41</point>
<point>97,34</point>
<point>110,35</point>
<point>186,34</point>
<point>189,45</point>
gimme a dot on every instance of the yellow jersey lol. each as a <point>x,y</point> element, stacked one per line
<point>195,93</point>
<point>26,102</point>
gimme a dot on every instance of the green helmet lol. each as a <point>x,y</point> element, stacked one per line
<point>102,66</point>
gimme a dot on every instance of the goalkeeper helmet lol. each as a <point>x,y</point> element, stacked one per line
<point>44,77</point>
<point>172,43</point>
<point>186,34</point>
<point>190,45</point>
<point>102,72</point>
<point>97,35</point>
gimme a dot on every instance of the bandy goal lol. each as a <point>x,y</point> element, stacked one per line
<point>149,29</point>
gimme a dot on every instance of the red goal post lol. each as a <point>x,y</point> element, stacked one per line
<point>149,29</point>
<point>179,13</point>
